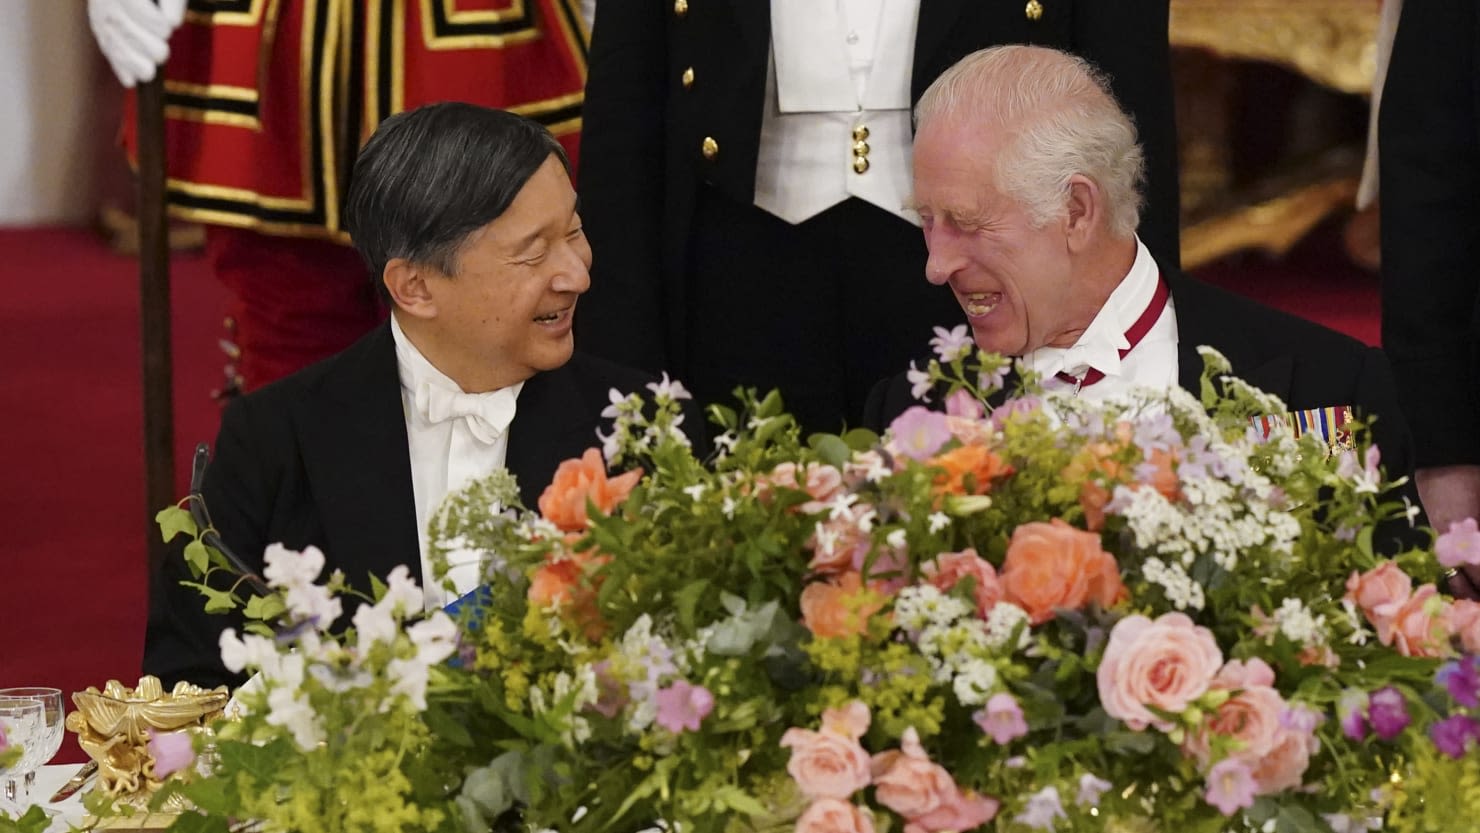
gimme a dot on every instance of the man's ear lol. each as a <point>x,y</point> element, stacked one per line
<point>1085,210</point>
<point>409,287</point>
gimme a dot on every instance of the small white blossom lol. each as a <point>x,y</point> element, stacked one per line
<point>290,568</point>
<point>728,507</point>
<point>919,383</point>
<point>895,539</point>
<point>952,344</point>
<point>974,681</point>
<point>939,521</point>
<point>695,491</point>
<point>669,389</point>
<point>1298,624</point>
<point>1005,618</point>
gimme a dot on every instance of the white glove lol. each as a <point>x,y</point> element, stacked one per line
<point>134,34</point>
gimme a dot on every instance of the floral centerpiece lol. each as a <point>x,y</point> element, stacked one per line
<point>1143,614</point>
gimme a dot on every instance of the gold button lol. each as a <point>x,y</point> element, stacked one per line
<point>860,133</point>
<point>688,78</point>
<point>860,164</point>
<point>710,148</point>
<point>1034,11</point>
<point>680,7</point>
<point>860,148</point>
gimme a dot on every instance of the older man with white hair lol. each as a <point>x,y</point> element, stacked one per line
<point>1028,175</point>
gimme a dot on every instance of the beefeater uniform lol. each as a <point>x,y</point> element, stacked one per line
<point>266,104</point>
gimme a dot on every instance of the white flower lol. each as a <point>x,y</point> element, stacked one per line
<point>1180,589</point>
<point>409,678</point>
<point>1002,621</point>
<point>402,595</point>
<point>313,603</point>
<point>373,623</point>
<point>939,521</point>
<point>728,507</point>
<point>919,383</point>
<point>695,491</point>
<point>247,651</point>
<point>1358,624</point>
<point>1298,624</point>
<point>669,389</point>
<point>974,681</point>
<point>290,568</point>
<point>616,398</point>
<point>841,506</point>
<point>895,539</point>
<point>435,637</point>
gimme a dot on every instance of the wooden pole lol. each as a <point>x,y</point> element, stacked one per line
<point>154,312</point>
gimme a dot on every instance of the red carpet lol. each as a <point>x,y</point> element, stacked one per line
<point>72,588</point>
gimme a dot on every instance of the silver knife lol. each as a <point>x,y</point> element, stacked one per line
<point>78,780</point>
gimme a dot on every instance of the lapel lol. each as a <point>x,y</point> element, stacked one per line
<point>555,421</point>
<point>754,19</point>
<point>1202,320</point>
<point>352,434</point>
<point>937,18</point>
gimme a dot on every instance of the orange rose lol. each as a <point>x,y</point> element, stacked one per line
<point>577,481</point>
<point>566,582</point>
<point>1164,475</point>
<point>1418,625</point>
<point>1053,566</point>
<point>839,607</point>
<point>1379,592</point>
<point>1462,619</point>
<point>968,470</point>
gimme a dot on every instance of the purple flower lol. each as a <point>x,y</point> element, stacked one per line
<point>1022,406</point>
<point>1462,679</point>
<point>1301,719</point>
<point>1091,787</point>
<point>682,706</point>
<point>1002,718</point>
<point>1156,433</point>
<point>172,752</point>
<point>1452,734</point>
<point>1230,786</point>
<point>1042,810</point>
<point>952,344</point>
<point>963,404</point>
<point>1352,710</point>
<point>919,432</point>
<point>1460,545</point>
<point>1388,712</point>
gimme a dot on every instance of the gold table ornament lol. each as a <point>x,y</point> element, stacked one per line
<point>112,727</point>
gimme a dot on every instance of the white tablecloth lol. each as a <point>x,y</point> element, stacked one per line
<point>48,780</point>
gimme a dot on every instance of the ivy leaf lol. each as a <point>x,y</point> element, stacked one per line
<point>217,601</point>
<point>174,520</point>
<point>197,556</point>
<point>266,608</point>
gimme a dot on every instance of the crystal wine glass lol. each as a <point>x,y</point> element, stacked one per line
<point>23,722</point>
<point>49,741</point>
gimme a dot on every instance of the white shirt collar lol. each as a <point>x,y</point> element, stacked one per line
<point>1100,344</point>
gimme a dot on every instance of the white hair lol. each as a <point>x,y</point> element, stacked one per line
<point>1058,118</point>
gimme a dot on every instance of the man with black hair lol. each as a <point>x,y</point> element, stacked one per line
<point>467,219</point>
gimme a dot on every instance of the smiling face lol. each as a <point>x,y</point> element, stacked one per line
<point>1015,282</point>
<point>506,315</point>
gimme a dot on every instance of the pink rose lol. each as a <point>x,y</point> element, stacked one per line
<point>1379,592</point>
<point>1282,766</point>
<point>1167,663</point>
<point>1462,619</point>
<point>958,811</point>
<point>830,764</point>
<point>833,816</point>
<point>1251,717</point>
<point>907,782</point>
<point>951,567</point>
<point>1418,628</point>
<point>822,483</point>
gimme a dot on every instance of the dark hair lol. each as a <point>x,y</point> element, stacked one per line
<point>429,177</point>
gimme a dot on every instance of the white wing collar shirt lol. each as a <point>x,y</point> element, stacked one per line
<point>1151,362</point>
<point>836,122</point>
<point>453,438</point>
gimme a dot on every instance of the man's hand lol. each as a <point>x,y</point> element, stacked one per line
<point>134,34</point>
<point>1449,494</point>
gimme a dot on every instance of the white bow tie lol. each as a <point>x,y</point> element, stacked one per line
<point>1100,354</point>
<point>487,415</point>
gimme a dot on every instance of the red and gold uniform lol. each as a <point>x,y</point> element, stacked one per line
<point>266,103</point>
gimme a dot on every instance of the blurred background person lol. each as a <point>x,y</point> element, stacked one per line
<point>1429,153</point>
